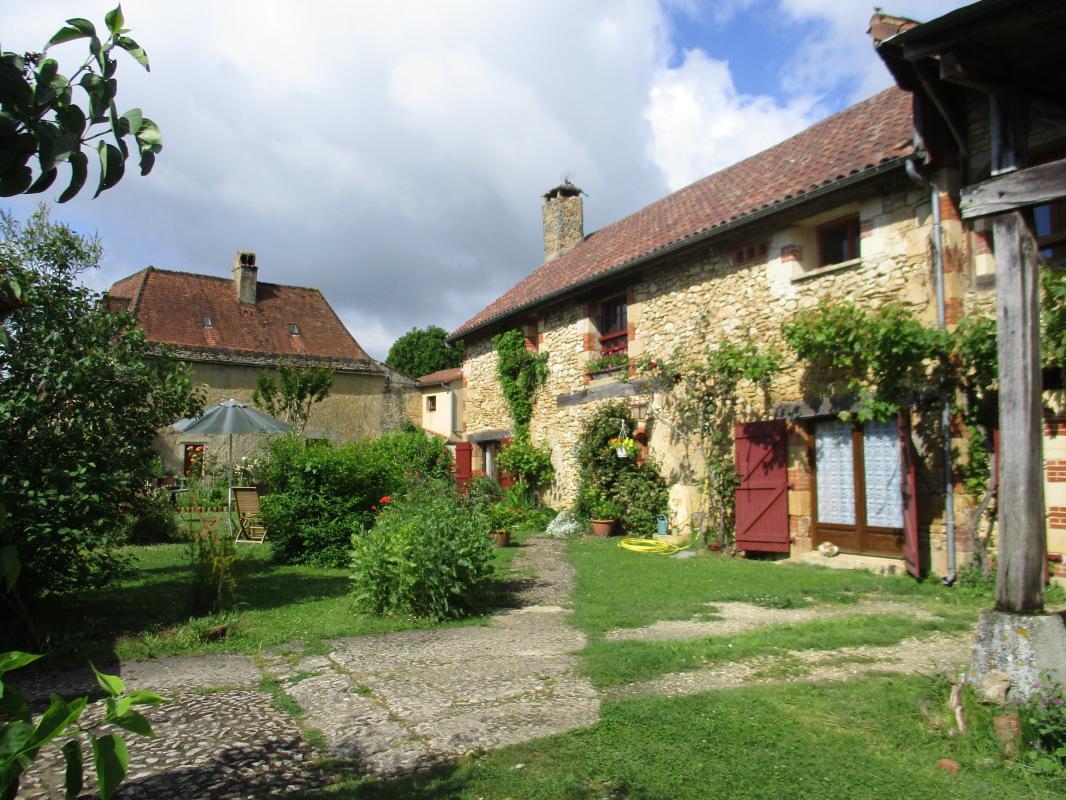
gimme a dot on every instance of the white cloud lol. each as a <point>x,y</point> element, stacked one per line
<point>700,123</point>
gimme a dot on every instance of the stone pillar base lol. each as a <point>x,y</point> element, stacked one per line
<point>1026,648</point>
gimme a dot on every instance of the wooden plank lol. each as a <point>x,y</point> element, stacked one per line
<point>1020,577</point>
<point>594,393</point>
<point>1013,191</point>
<point>489,436</point>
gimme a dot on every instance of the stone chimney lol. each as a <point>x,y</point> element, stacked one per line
<point>564,220</point>
<point>244,270</point>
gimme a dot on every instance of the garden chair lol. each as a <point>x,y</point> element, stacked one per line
<point>250,527</point>
<point>195,514</point>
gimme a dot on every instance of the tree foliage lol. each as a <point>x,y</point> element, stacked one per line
<point>421,351</point>
<point>41,115</point>
<point>82,393</point>
<point>290,392</point>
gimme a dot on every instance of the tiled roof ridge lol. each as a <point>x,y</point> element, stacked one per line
<point>224,279</point>
<point>813,160</point>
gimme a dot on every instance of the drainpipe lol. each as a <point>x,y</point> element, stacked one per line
<point>941,321</point>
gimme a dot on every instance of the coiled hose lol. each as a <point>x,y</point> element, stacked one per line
<point>648,546</point>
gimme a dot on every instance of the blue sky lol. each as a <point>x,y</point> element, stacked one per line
<point>393,155</point>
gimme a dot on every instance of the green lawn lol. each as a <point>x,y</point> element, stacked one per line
<point>149,613</point>
<point>855,741</point>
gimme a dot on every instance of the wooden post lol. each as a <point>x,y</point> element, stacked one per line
<point>1022,559</point>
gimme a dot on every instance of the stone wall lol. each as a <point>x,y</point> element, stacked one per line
<point>359,405</point>
<point>734,288</point>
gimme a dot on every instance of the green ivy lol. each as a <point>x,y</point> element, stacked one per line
<point>520,373</point>
<point>880,356</point>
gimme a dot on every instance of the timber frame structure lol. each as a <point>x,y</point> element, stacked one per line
<point>989,86</point>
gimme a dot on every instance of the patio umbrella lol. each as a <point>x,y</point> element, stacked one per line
<point>230,418</point>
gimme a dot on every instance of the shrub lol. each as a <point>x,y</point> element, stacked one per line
<point>428,555</point>
<point>320,496</point>
<point>408,456</point>
<point>527,464</point>
<point>213,557</point>
<point>637,490</point>
<point>1043,718</point>
<point>483,492</point>
<point>153,519</point>
<point>566,525</point>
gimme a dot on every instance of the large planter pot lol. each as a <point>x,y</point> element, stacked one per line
<point>501,538</point>
<point>602,527</point>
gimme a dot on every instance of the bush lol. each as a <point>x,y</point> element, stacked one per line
<point>153,519</point>
<point>213,557</point>
<point>527,464</point>
<point>320,496</point>
<point>638,490</point>
<point>428,555</point>
<point>567,524</point>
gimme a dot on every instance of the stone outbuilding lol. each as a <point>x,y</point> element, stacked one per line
<point>831,212</point>
<point>228,330</point>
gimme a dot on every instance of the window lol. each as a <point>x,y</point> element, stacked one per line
<point>838,241</point>
<point>194,461</point>
<point>431,403</point>
<point>294,329</point>
<point>1050,231</point>
<point>206,321</point>
<point>614,327</point>
<point>749,254</point>
<point>858,487</point>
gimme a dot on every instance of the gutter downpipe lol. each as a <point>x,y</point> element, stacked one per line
<point>941,321</point>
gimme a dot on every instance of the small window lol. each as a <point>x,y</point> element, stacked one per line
<point>207,322</point>
<point>431,403</point>
<point>294,329</point>
<point>838,241</point>
<point>614,327</point>
<point>1050,231</point>
<point>749,254</point>
<point>194,461</point>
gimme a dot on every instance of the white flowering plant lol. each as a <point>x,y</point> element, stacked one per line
<point>566,525</point>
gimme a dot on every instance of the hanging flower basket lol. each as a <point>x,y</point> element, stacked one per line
<point>624,447</point>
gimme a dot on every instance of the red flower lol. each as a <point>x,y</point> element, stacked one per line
<point>385,499</point>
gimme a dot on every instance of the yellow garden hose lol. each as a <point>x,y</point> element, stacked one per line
<point>648,546</point>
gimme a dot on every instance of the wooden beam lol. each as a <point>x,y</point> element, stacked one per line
<point>1022,544</point>
<point>1013,191</point>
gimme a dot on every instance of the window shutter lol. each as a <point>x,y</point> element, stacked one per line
<point>463,462</point>
<point>762,495</point>
<point>911,551</point>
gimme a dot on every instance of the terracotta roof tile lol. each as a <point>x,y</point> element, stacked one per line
<point>172,306</point>
<point>442,376</point>
<point>859,138</point>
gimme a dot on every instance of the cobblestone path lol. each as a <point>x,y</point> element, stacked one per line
<point>401,701</point>
<point>393,702</point>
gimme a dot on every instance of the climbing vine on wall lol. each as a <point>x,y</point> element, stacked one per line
<point>700,394</point>
<point>520,372</point>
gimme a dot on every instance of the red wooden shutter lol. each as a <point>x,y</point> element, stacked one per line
<point>463,462</point>
<point>762,496</point>
<point>911,551</point>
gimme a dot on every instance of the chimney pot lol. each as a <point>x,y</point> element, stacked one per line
<point>244,277</point>
<point>564,220</point>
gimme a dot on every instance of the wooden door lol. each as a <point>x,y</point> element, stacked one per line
<point>762,496</point>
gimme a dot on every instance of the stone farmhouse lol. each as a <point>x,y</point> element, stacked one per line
<point>230,329</point>
<point>832,211</point>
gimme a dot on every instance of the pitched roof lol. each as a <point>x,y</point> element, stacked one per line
<point>172,308</point>
<point>442,376</point>
<point>860,138</point>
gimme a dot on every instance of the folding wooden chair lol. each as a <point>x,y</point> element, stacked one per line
<point>250,527</point>
<point>199,521</point>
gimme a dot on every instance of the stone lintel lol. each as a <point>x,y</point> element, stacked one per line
<point>594,393</point>
<point>1027,648</point>
<point>815,407</point>
<point>489,436</point>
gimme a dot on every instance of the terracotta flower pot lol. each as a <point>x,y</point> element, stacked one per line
<point>602,527</point>
<point>501,538</point>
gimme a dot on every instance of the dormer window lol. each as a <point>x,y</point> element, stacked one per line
<point>294,329</point>
<point>207,322</point>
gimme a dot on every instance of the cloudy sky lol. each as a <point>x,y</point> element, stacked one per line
<point>394,154</point>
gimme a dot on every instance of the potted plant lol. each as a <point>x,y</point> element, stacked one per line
<point>604,513</point>
<point>501,519</point>
<point>624,447</point>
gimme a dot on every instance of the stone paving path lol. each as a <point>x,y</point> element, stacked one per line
<point>393,702</point>
<point>405,700</point>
